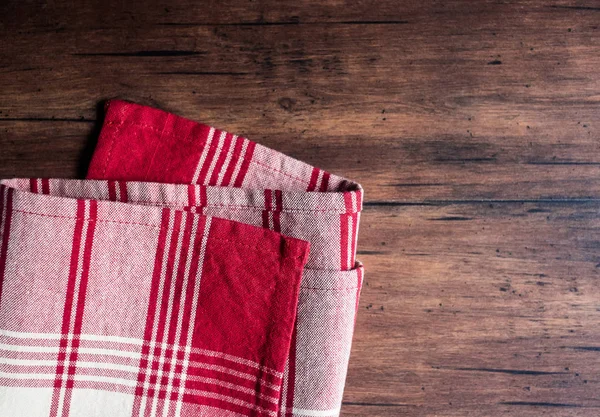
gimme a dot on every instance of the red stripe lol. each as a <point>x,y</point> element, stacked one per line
<point>345,233</point>
<point>112,190</point>
<point>123,191</point>
<point>251,398</point>
<point>237,149</point>
<point>2,190</point>
<point>277,212</point>
<point>359,197</point>
<point>190,291</point>
<point>85,272</point>
<point>212,150</point>
<point>312,185</point>
<point>344,241</point>
<point>353,237</point>
<point>185,244</point>
<point>45,186</point>
<point>260,374</point>
<point>66,321</point>
<point>33,185</point>
<point>291,374</point>
<point>267,211</point>
<point>280,403</point>
<point>245,164</point>
<point>324,182</point>
<point>152,305</point>
<point>162,324</point>
<point>239,410</point>
<point>163,308</point>
<point>6,231</point>
<point>348,202</point>
<point>219,165</point>
<point>191,189</point>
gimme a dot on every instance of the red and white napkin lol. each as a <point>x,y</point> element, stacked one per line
<point>177,280</point>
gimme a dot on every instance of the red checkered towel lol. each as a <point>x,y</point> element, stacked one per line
<point>129,295</point>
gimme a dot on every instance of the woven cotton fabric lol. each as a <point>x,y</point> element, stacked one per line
<point>194,273</point>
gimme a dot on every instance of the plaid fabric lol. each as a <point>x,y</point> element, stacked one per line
<point>112,309</point>
<point>148,289</point>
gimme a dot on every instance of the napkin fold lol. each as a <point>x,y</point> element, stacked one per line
<point>177,280</point>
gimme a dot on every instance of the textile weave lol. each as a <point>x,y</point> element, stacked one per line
<point>194,273</point>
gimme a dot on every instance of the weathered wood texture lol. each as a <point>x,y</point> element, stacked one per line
<point>473,126</point>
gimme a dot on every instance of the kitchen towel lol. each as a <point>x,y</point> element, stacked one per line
<point>113,309</point>
<point>101,276</point>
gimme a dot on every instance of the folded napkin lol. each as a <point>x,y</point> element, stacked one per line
<point>155,287</point>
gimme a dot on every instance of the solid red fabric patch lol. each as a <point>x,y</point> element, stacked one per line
<point>177,279</point>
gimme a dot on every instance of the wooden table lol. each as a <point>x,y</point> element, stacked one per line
<point>472,125</point>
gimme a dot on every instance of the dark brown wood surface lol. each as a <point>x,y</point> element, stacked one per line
<point>474,127</point>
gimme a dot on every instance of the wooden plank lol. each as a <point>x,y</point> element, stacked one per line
<point>478,309</point>
<point>450,123</point>
<point>472,125</point>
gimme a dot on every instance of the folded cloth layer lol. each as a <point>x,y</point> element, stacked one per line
<point>169,200</point>
<point>113,309</point>
<point>244,181</point>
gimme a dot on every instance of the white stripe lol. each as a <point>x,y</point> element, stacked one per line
<point>107,379</point>
<point>186,358</point>
<point>229,371</point>
<point>10,375</point>
<point>240,160</point>
<point>216,155</point>
<point>157,310</point>
<point>231,400</point>
<point>186,274</point>
<point>4,208</point>
<point>232,386</point>
<point>198,198</point>
<point>319,179</point>
<point>211,133</point>
<point>317,413</point>
<point>26,362</point>
<point>25,335</point>
<point>134,369</point>
<point>82,350</point>
<point>236,359</point>
<point>88,378</point>
<point>116,339</point>
<point>80,364</point>
<point>111,366</point>
<point>110,352</point>
<point>227,159</point>
<point>170,305</point>
<point>36,349</point>
<point>132,384</point>
<point>284,389</point>
<point>271,212</point>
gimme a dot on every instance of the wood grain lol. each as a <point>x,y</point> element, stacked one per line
<point>473,126</point>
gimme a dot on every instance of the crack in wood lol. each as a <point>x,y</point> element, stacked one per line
<point>157,53</point>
